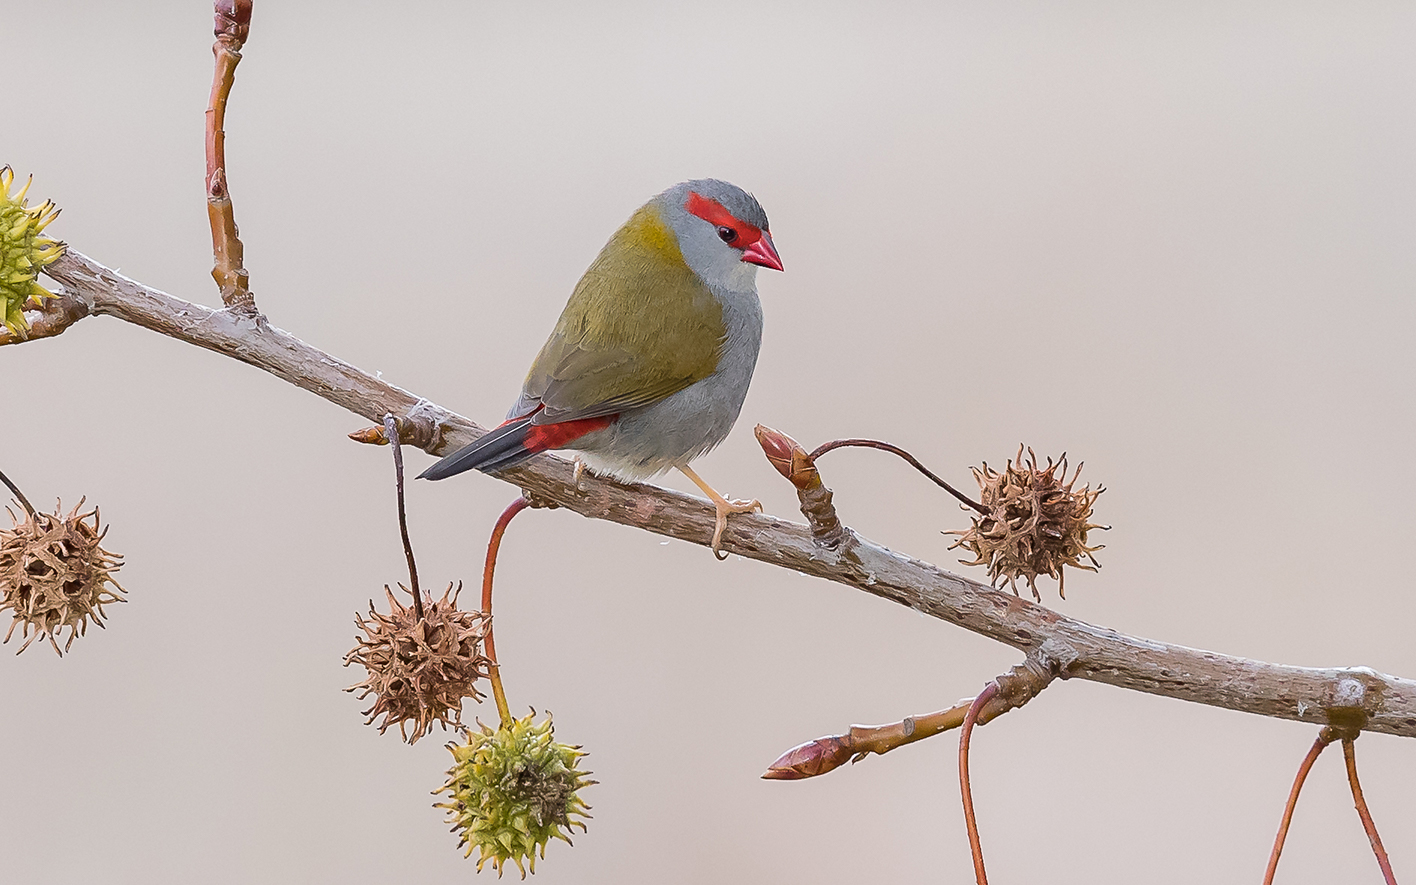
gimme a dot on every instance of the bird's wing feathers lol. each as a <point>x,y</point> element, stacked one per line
<point>640,326</point>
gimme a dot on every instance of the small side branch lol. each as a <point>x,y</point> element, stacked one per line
<point>828,753</point>
<point>824,754</point>
<point>233,25</point>
<point>792,461</point>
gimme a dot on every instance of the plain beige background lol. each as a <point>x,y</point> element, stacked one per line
<point>1175,240</point>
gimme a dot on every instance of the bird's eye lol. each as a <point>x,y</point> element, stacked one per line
<point>727,234</point>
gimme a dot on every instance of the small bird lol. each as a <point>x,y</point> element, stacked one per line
<point>650,361</point>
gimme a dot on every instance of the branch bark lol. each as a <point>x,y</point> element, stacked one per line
<point>1349,697</point>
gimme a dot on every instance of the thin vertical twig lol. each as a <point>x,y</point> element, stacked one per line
<point>1325,737</point>
<point>233,25</point>
<point>1349,754</point>
<point>19,495</point>
<point>391,428</point>
<point>970,822</point>
<point>488,643</point>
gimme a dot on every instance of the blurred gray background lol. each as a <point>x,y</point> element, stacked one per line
<point>1174,240</point>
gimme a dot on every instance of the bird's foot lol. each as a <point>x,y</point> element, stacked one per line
<point>579,471</point>
<point>725,507</point>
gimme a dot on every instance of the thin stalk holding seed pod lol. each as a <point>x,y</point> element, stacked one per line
<point>494,545</point>
<point>970,823</point>
<point>421,660</point>
<point>391,429</point>
<point>913,462</point>
<point>1349,754</point>
<point>1325,737</point>
<point>19,495</point>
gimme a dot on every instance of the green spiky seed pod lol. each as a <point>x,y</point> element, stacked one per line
<point>513,790</point>
<point>23,251</point>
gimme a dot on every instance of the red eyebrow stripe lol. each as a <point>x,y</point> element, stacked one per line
<point>717,215</point>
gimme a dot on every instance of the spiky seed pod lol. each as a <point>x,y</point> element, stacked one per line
<point>419,671</point>
<point>1037,523</point>
<point>54,574</point>
<point>513,790</point>
<point>23,252</point>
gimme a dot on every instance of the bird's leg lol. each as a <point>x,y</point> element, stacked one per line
<point>579,470</point>
<point>722,505</point>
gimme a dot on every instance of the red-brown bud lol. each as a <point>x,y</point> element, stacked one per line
<point>809,759</point>
<point>787,455</point>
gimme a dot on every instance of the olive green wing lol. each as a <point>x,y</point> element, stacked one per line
<point>640,326</point>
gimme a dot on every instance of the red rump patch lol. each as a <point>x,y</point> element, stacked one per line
<point>543,437</point>
<point>716,214</point>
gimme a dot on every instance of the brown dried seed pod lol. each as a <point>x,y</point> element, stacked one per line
<point>419,671</point>
<point>54,574</point>
<point>1037,523</point>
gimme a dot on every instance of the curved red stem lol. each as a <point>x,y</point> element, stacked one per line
<point>1325,737</point>
<point>969,821</point>
<point>1349,753</point>
<point>488,643</point>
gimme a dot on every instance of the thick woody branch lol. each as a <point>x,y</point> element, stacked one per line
<point>1080,650</point>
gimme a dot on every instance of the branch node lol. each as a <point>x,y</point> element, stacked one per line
<point>1021,684</point>
<point>418,429</point>
<point>1347,714</point>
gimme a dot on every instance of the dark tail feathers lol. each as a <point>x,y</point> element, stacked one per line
<point>502,447</point>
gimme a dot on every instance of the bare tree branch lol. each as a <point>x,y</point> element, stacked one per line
<point>1351,696</point>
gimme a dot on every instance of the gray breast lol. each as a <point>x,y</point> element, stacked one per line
<point>647,441</point>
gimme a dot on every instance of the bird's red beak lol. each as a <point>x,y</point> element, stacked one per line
<point>763,253</point>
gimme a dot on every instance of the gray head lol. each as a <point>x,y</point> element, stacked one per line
<point>721,230</point>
